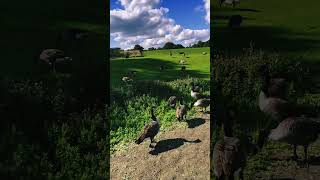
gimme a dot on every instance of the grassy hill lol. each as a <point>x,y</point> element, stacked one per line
<point>290,27</point>
<point>147,67</point>
<point>152,87</point>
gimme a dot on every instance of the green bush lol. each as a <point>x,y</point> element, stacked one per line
<point>130,107</point>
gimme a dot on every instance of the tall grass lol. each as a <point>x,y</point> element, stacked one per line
<point>130,107</point>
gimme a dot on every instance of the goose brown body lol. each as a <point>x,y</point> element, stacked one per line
<point>181,112</point>
<point>172,101</point>
<point>297,131</point>
<point>150,130</point>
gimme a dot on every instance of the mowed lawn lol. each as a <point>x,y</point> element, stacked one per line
<point>290,27</point>
<point>148,67</point>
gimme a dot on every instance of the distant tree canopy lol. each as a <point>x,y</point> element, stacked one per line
<point>115,52</point>
<point>201,44</point>
<point>151,49</point>
<point>171,45</point>
<point>138,47</point>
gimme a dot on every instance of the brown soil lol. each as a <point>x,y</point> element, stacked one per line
<point>181,153</point>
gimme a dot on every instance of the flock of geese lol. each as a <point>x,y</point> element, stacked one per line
<point>152,129</point>
<point>295,125</point>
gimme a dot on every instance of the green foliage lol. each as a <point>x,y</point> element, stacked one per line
<point>46,135</point>
<point>171,45</point>
<point>201,44</point>
<point>130,108</point>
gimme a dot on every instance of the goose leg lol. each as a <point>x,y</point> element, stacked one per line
<point>151,141</point>
<point>306,155</point>
<point>295,156</point>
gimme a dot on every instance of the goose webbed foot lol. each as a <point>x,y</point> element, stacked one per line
<point>151,145</point>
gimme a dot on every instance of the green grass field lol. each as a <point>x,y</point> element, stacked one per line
<point>151,87</point>
<point>147,67</point>
<point>290,27</point>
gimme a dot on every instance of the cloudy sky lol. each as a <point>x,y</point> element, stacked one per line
<point>152,23</point>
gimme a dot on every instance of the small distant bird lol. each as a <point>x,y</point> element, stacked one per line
<point>203,103</point>
<point>133,73</point>
<point>297,131</point>
<point>182,61</point>
<point>183,68</point>
<point>126,79</point>
<point>181,112</point>
<point>150,130</point>
<point>53,56</point>
<point>75,34</point>
<point>172,101</point>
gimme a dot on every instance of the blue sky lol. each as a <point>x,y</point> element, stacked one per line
<point>189,15</point>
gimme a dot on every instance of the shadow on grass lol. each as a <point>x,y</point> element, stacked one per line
<point>267,38</point>
<point>149,69</point>
<point>314,160</point>
<point>192,123</point>
<point>170,144</point>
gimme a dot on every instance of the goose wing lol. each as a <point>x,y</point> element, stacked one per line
<point>151,129</point>
<point>51,53</point>
<point>298,130</point>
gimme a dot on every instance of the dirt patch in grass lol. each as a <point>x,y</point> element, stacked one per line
<point>181,153</point>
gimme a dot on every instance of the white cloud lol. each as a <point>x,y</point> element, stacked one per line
<point>207,8</point>
<point>143,22</point>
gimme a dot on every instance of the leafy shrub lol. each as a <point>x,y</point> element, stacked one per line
<point>130,107</point>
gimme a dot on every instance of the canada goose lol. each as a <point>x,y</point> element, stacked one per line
<point>184,54</point>
<point>229,2</point>
<point>74,34</point>
<point>195,88</point>
<point>203,103</point>
<point>297,131</point>
<point>53,56</point>
<point>127,79</point>
<point>276,86</point>
<point>182,61</point>
<point>150,130</point>
<point>172,101</point>
<point>181,112</point>
<point>133,73</point>
<point>229,154</point>
<point>195,93</point>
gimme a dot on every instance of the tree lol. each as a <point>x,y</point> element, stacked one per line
<point>151,49</point>
<point>171,45</point>
<point>138,47</point>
